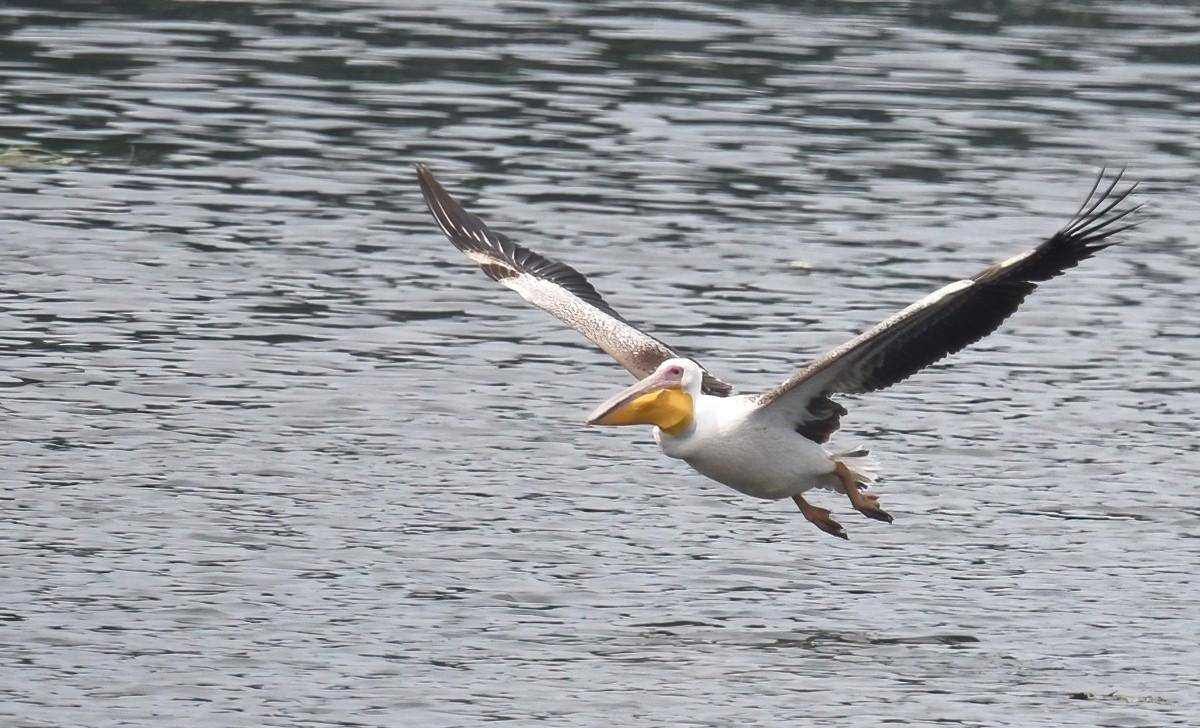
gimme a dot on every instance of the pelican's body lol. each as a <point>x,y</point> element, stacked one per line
<point>731,441</point>
<point>772,445</point>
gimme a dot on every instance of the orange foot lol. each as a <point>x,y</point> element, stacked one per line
<point>820,517</point>
<point>865,503</point>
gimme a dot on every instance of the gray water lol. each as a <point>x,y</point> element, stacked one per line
<point>275,454</point>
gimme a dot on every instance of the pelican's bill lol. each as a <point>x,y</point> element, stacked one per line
<point>669,409</point>
<point>657,400</point>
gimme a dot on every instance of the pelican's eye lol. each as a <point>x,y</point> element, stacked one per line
<point>675,371</point>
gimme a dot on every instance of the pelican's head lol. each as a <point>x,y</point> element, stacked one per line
<point>666,399</point>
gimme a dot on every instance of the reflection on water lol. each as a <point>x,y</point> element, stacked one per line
<point>276,455</point>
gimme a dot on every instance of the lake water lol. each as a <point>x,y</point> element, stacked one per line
<point>275,454</point>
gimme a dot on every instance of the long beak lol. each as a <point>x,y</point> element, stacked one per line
<point>636,405</point>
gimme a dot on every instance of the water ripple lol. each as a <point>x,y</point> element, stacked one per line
<point>276,454</point>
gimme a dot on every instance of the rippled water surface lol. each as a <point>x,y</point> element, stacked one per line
<point>274,454</point>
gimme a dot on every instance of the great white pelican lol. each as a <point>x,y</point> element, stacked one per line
<point>773,444</point>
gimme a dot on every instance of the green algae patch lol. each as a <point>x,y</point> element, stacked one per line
<point>1118,697</point>
<point>33,157</point>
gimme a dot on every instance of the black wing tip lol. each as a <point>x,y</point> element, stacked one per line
<point>1095,220</point>
<point>425,175</point>
<point>1094,227</point>
<point>460,227</point>
<point>430,187</point>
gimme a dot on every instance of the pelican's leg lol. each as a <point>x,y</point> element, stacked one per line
<point>865,503</point>
<point>820,517</point>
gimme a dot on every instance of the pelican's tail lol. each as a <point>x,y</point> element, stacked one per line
<point>862,466</point>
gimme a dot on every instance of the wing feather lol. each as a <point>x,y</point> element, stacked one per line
<point>554,287</point>
<point>946,320</point>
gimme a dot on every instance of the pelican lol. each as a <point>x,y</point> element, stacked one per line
<point>772,445</point>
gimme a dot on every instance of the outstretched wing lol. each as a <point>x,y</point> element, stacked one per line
<point>945,321</point>
<point>554,287</point>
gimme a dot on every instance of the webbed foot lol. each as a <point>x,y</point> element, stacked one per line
<point>820,517</point>
<point>865,503</point>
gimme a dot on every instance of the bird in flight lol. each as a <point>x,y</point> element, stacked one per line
<point>772,445</point>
